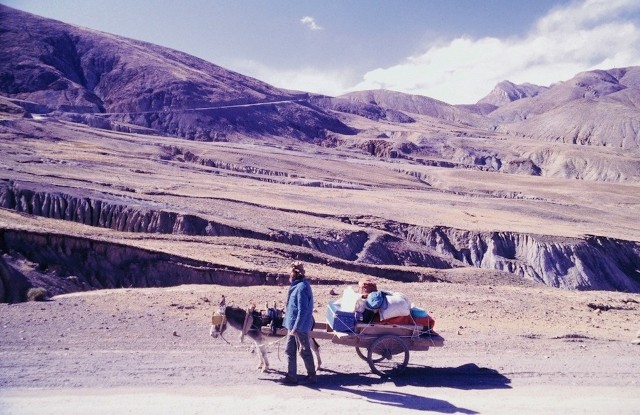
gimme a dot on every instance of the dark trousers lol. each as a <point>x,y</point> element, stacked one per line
<point>291,351</point>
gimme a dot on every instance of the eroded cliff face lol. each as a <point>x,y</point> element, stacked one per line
<point>592,263</point>
<point>115,213</point>
<point>589,263</point>
<point>13,285</point>
<point>68,264</point>
<point>63,263</point>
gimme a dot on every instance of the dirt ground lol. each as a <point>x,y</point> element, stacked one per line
<point>508,350</point>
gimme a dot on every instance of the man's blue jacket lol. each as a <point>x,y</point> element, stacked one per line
<point>299,313</point>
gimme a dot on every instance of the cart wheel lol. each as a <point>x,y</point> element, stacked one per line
<point>388,356</point>
<point>362,353</point>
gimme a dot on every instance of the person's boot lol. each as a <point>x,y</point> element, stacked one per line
<point>312,378</point>
<point>290,380</point>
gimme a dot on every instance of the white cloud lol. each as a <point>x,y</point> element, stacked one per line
<point>584,35</point>
<point>310,22</point>
<point>330,83</point>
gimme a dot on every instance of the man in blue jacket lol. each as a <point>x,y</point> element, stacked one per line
<point>298,319</point>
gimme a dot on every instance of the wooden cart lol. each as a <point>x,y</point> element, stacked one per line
<point>385,347</point>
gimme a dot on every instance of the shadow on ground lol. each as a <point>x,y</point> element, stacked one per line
<point>466,377</point>
<point>469,376</point>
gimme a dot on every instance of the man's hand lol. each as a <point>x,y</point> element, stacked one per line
<point>294,333</point>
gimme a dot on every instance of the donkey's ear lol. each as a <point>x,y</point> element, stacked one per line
<point>223,301</point>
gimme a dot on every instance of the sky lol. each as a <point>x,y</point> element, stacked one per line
<point>452,50</point>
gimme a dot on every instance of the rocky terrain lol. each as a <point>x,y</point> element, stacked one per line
<point>137,184</point>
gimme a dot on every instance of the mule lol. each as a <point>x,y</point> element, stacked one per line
<point>249,323</point>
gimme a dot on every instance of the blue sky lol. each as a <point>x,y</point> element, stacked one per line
<point>452,50</point>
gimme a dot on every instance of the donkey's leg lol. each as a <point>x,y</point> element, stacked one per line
<point>263,357</point>
<point>262,349</point>
<point>315,348</point>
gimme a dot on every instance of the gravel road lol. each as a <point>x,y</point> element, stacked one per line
<point>149,351</point>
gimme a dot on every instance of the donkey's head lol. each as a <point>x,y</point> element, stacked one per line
<point>219,319</point>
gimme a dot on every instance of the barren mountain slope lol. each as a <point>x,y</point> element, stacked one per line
<point>567,141</point>
<point>593,108</point>
<point>417,104</point>
<point>589,85</point>
<point>585,122</point>
<point>79,72</point>
<point>506,92</point>
<point>434,142</point>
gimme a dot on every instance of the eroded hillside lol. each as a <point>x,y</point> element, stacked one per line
<point>86,208</point>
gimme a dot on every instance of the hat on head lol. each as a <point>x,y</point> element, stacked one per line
<point>298,268</point>
<point>367,285</point>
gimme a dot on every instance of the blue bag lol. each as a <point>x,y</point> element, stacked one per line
<point>377,300</point>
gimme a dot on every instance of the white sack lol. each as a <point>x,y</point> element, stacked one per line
<point>397,305</point>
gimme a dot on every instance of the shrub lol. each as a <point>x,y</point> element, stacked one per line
<point>37,294</point>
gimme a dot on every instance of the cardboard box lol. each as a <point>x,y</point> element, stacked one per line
<point>340,320</point>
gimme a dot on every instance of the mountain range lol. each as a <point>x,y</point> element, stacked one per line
<point>118,83</point>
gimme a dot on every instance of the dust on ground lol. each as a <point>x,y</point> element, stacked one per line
<point>508,350</point>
